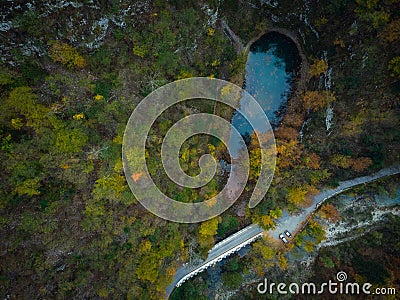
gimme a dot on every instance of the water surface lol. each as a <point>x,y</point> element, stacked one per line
<point>272,64</point>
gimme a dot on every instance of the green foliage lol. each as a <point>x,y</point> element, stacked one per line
<point>6,144</point>
<point>111,187</point>
<point>232,279</point>
<point>63,189</point>
<point>29,187</point>
<point>22,101</point>
<point>373,270</point>
<point>5,77</point>
<point>70,141</point>
<point>103,88</point>
<point>327,262</point>
<point>228,224</point>
<point>191,290</point>
<point>394,67</point>
<point>370,13</point>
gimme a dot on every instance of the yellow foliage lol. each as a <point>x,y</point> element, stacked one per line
<point>215,63</point>
<point>145,246</point>
<point>139,51</point>
<point>319,67</point>
<point>98,97</point>
<point>297,195</point>
<point>211,203</point>
<point>209,227</point>
<point>267,222</point>
<point>17,123</point>
<point>118,139</point>
<point>210,31</point>
<point>171,271</point>
<point>29,187</point>
<point>66,54</point>
<point>315,100</point>
<point>265,248</point>
<point>226,90</point>
<point>79,116</point>
<point>184,74</point>
<point>309,246</point>
<point>339,42</point>
<point>103,293</point>
<point>283,263</point>
<point>288,153</point>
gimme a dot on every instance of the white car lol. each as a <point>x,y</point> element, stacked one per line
<point>288,234</point>
<point>282,237</point>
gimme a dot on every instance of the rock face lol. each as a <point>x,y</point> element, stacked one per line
<point>232,36</point>
<point>82,25</point>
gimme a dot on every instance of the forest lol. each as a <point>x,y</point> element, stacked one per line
<point>71,73</point>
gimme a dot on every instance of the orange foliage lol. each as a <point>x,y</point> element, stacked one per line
<point>286,133</point>
<point>312,161</point>
<point>391,33</point>
<point>328,211</point>
<point>345,162</point>
<point>360,164</point>
<point>293,120</point>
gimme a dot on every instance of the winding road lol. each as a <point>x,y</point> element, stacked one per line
<point>287,222</point>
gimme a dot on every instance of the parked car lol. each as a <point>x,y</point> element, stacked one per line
<point>288,234</point>
<point>282,237</point>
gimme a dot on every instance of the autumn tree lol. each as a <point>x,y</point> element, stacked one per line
<point>318,67</point>
<point>207,230</point>
<point>66,55</point>
<point>287,133</point>
<point>391,33</point>
<point>301,196</point>
<point>264,254</point>
<point>360,164</point>
<point>22,101</point>
<point>297,195</point>
<point>346,162</point>
<point>288,153</point>
<point>282,261</point>
<point>341,161</point>
<point>328,211</point>
<point>315,100</point>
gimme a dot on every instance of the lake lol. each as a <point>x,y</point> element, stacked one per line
<point>272,64</point>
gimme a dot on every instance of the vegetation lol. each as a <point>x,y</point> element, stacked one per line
<point>70,225</point>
